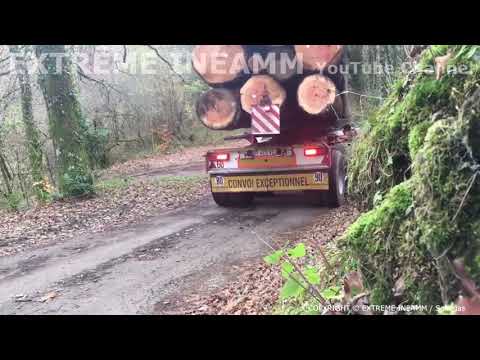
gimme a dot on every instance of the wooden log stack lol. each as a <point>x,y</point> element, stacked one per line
<point>305,81</point>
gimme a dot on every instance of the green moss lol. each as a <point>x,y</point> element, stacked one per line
<point>66,123</point>
<point>421,156</point>
<point>375,239</point>
<point>382,158</point>
<point>416,137</point>
<point>447,191</point>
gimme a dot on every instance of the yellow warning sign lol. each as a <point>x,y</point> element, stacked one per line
<point>262,183</point>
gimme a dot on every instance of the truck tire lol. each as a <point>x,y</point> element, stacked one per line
<point>336,194</point>
<point>232,199</point>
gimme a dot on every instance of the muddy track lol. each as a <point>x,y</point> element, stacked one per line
<point>131,271</point>
<point>174,170</point>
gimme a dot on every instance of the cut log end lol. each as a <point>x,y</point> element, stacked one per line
<point>277,61</point>
<point>316,93</point>
<point>218,109</point>
<point>261,88</point>
<point>318,57</point>
<point>219,64</point>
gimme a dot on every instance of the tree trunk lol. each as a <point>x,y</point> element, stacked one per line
<point>32,136</point>
<point>318,57</point>
<point>218,109</point>
<point>316,93</point>
<point>261,88</point>
<point>219,64</point>
<point>7,177</point>
<point>66,123</point>
<point>274,77</point>
<point>277,61</point>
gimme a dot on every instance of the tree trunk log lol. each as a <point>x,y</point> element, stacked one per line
<point>315,94</point>
<point>219,64</point>
<point>261,88</point>
<point>278,61</point>
<point>218,109</point>
<point>66,121</point>
<point>318,57</point>
<point>32,135</point>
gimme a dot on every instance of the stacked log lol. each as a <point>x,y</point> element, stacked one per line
<point>259,89</point>
<point>297,78</point>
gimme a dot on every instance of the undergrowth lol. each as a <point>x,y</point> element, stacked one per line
<point>416,173</point>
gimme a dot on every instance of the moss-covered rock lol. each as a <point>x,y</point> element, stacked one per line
<point>387,249</point>
<point>421,158</point>
<point>381,158</point>
<point>416,137</point>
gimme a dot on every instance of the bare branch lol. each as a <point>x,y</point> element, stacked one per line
<point>166,62</point>
<point>100,82</point>
<point>124,54</point>
<point>4,59</point>
<point>11,92</point>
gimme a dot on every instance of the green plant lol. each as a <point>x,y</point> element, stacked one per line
<point>14,199</point>
<point>113,184</point>
<point>76,183</point>
<point>297,281</point>
<point>96,143</point>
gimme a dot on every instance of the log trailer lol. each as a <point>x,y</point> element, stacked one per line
<point>298,121</point>
<point>313,165</point>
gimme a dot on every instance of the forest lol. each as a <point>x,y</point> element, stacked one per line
<point>138,103</point>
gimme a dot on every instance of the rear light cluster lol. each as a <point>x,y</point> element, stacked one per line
<point>218,156</point>
<point>223,157</point>
<point>315,151</point>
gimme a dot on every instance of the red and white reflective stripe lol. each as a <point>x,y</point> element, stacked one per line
<point>265,120</point>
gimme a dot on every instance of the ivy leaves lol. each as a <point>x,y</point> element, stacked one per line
<point>297,252</point>
<point>296,283</point>
<point>274,258</point>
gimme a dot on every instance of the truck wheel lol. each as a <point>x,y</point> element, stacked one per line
<point>233,199</point>
<point>336,193</point>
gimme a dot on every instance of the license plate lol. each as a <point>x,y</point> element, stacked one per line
<point>266,153</point>
<point>263,183</point>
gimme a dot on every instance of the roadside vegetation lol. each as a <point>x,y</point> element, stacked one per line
<point>118,203</point>
<point>414,173</point>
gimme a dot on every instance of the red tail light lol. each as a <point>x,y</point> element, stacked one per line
<point>218,156</point>
<point>223,157</point>
<point>317,151</point>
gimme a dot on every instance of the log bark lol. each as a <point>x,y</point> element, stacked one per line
<point>66,121</point>
<point>278,61</point>
<point>307,99</point>
<point>218,109</point>
<point>219,64</point>
<point>32,135</point>
<point>260,88</point>
<point>318,57</point>
<point>316,93</point>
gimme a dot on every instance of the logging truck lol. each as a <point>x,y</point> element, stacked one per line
<point>297,116</point>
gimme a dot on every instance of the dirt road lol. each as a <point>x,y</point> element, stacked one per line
<point>131,272</point>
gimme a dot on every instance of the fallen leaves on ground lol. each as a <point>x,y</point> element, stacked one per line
<point>110,209</point>
<point>184,157</point>
<point>256,289</point>
<point>50,296</point>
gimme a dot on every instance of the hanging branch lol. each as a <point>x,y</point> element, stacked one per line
<point>4,59</point>
<point>166,62</point>
<point>100,82</point>
<point>124,54</point>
